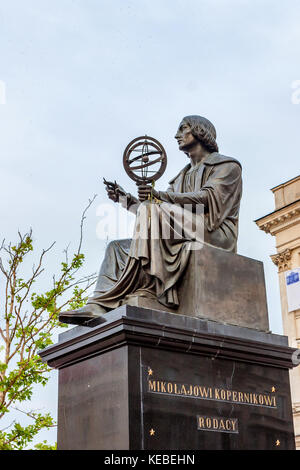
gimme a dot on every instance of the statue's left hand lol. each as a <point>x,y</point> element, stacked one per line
<point>145,192</point>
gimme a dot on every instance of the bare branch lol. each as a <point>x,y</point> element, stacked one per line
<point>66,253</point>
<point>9,426</point>
<point>83,217</point>
<point>31,414</point>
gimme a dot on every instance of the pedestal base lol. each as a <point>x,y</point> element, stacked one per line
<point>159,381</point>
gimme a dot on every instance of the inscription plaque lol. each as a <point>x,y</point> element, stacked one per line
<point>217,423</point>
<point>213,403</point>
<point>211,393</point>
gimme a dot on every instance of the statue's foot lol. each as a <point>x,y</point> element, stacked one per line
<point>83,315</point>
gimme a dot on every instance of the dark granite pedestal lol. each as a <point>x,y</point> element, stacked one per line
<point>162,381</point>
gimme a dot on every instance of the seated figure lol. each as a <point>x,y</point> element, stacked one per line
<point>152,263</point>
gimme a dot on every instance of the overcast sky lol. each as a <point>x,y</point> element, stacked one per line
<point>80,78</point>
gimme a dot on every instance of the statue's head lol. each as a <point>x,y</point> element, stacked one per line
<point>200,129</point>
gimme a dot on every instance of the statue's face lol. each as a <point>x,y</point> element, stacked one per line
<point>184,137</point>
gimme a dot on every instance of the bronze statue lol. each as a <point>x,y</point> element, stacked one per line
<point>150,264</point>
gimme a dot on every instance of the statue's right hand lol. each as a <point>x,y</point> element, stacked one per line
<point>112,195</point>
<point>114,191</point>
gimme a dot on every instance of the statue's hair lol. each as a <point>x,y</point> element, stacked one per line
<point>203,130</point>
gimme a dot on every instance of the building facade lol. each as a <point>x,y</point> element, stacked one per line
<point>284,225</point>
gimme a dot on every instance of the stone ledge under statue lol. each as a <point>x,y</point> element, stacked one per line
<point>220,286</point>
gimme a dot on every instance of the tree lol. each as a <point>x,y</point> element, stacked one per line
<point>28,320</point>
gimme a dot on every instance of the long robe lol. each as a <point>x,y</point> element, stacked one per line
<point>153,261</point>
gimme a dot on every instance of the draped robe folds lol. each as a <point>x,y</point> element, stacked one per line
<point>153,261</point>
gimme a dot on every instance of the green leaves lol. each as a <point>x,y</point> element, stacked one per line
<point>45,446</point>
<point>27,323</point>
<point>20,436</point>
<point>78,299</point>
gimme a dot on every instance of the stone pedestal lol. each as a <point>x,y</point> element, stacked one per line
<point>221,286</point>
<point>155,380</point>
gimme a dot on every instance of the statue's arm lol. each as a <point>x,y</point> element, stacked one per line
<point>195,197</point>
<point>220,192</point>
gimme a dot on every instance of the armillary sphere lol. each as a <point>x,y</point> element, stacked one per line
<point>144,160</point>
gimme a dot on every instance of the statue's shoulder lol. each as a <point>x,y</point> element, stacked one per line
<point>218,159</point>
<point>181,173</point>
<point>212,160</point>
